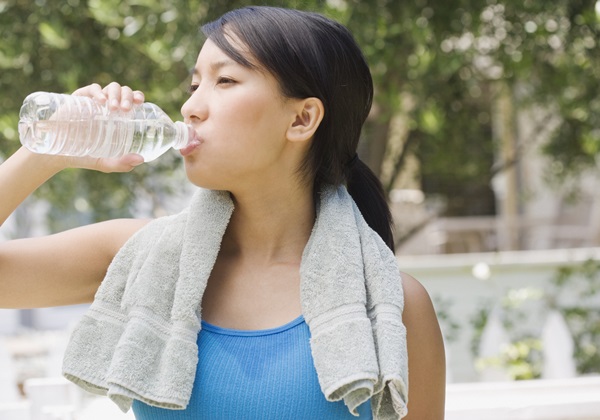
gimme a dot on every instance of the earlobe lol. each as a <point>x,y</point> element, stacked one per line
<point>308,117</point>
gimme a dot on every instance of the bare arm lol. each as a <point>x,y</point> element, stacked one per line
<point>25,171</point>
<point>61,269</point>
<point>65,268</point>
<point>426,357</point>
<point>17,180</point>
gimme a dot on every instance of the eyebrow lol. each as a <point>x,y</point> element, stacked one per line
<point>215,66</point>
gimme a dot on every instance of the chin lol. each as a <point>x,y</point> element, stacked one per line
<point>205,182</point>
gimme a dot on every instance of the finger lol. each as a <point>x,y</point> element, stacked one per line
<point>122,164</point>
<point>96,93</point>
<point>93,91</point>
<point>138,97</point>
<point>113,93</point>
<point>126,98</point>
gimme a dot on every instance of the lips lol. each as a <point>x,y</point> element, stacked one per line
<point>192,145</point>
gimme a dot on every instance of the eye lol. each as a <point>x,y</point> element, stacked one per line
<point>223,80</point>
<point>193,88</point>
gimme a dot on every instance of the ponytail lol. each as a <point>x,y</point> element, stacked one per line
<point>368,194</point>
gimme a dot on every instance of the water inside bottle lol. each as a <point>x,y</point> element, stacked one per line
<point>102,137</point>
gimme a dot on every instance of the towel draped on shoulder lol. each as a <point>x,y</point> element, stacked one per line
<point>138,338</point>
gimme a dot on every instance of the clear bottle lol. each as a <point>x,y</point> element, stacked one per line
<point>59,124</point>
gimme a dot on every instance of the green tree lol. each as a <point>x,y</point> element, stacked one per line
<point>438,69</point>
<point>441,65</point>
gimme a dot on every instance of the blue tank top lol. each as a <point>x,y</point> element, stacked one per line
<point>249,375</point>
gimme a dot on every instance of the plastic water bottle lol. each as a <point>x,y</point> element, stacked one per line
<point>59,124</point>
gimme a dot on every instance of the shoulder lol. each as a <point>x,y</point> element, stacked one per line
<point>426,356</point>
<point>415,292</point>
<point>422,327</point>
<point>417,303</point>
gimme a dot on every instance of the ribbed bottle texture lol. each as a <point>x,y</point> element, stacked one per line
<point>59,124</point>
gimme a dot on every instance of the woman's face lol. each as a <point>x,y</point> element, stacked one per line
<point>240,118</point>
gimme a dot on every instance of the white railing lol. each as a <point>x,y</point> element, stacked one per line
<point>452,235</point>
<point>569,399</point>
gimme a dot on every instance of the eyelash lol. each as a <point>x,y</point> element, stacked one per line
<point>225,80</point>
<point>220,80</point>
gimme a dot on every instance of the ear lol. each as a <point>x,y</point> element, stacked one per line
<point>308,115</point>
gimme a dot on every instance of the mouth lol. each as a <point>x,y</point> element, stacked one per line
<point>195,141</point>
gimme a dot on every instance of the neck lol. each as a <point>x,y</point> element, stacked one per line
<point>272,225</point>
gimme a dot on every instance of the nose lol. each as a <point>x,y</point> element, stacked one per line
<point>195,108</point>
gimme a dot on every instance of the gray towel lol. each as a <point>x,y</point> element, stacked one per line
<point>138,339</point>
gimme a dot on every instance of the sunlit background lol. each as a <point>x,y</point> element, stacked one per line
<point>485,132</point>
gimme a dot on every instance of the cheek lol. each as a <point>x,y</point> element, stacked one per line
<point>252,123</point>
<point>250,109</point>
<point>245,135</point>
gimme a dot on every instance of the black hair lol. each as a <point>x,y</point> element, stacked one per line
<point>311,55</point>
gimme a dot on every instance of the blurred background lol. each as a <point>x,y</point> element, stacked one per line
<point>485,132</point>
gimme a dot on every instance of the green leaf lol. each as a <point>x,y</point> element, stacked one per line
<point>54,36</point>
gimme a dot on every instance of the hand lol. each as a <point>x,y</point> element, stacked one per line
<point>118,98</point>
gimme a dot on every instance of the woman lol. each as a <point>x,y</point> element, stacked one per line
<point>277,100</point>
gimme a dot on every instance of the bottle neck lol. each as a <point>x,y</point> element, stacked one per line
<point>184,135</point>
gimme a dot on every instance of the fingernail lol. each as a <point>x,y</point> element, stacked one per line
<point>114,103</point>
<point>126,104</point>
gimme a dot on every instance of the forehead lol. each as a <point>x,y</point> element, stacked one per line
<point>211,51</point>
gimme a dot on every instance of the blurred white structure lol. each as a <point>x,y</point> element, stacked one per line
<point>55,398</point>
<point>558,347</point>
<point>56,353</point>
<point>52,398</point>
<point>8,376</point>
<point>567,399</point>
<point>102,408</point>
<point>9,321</point>
<point>493,340</point>
<point>15,410</point>
<point>450,278</point>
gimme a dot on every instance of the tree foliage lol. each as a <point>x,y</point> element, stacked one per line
<point>436,65</point>
<point>442,64</point>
